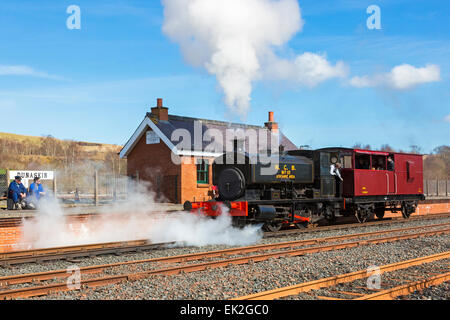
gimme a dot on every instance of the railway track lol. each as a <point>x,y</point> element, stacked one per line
<point>8,259</point>
<point>18,221</point>
<point>290,250</point>
<point>361,274</point>
<point>407,288</point>
<point>343,226</point>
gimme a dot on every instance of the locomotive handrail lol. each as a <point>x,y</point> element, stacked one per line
<point>387,180</point>
<point>395,182</point>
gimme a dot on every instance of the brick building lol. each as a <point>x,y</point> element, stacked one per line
<point>151,151</point>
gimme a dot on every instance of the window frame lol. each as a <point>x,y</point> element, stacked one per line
<point>200,171</point>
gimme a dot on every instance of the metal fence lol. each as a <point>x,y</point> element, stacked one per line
<point>94,188</point>
<point>87,188</point>
<point>3,183</point>
<point>97,188</point>
<point>436,188</point>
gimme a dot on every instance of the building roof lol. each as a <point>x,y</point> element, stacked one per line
<point>193,126</point>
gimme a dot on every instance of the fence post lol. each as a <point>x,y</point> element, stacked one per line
<point>426,184</point>
<point>54,185</point>
<point>114,188</point>
<point>437,187</point>
<point>7,178</point>
<point>96,188</point>
<point>446,188</point>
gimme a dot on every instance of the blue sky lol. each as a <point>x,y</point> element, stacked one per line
<point>96,83</point>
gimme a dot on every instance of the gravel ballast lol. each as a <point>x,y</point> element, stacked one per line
<point>235,281</point>
<point>106,259</point>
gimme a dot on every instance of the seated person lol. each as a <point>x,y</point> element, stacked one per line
<point>380,165</point>
<point>360,164</point>
<point>36,190</point>
<point>366,164</point>
<point>17,192</point>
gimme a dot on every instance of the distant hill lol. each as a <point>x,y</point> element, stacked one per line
<point>74,160</point>
<point>96,150</point>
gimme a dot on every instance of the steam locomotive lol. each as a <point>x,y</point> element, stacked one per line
<point>297,186</point>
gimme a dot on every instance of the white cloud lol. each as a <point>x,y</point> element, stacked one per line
<point>20,70</point>
<point>307,69</point>
<point>447,118</point>
<point>235,41</point>
<point>400,77</point>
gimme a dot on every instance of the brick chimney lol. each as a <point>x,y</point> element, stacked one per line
<point>159,112</point>
<point>271,125</point>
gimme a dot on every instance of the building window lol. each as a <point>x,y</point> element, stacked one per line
<point>202,171</point>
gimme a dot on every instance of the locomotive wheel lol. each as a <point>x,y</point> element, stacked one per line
<point>301,225</point>
<point>405,212</point>
<point>331,219</point>
<point>362,215</point>
<point>364,212</point>
<point>272,226</point>
<point>329,215</point>
<point>379,212</point>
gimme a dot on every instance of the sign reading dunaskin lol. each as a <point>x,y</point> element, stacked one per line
<point>25,174</point>
<point>28,175</point>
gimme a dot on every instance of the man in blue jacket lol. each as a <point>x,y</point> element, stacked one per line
<point>36,191</point>
<point>17,192</point>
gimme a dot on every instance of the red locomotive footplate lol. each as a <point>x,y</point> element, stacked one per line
<point>214,208</point>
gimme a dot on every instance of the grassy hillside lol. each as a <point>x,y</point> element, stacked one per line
<point>96,150</point>
<point>73,160</point>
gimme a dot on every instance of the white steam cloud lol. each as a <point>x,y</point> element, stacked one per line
<point>134,219</point>
<point>401,77</point>
<point>235,41</point>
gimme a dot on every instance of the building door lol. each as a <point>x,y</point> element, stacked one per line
<point>170,188</point>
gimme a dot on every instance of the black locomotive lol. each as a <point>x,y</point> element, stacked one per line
<point>298,186</point>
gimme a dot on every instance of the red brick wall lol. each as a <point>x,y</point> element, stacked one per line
<point>154,164</point>
<point>190,189</point>
<point>8,237</point>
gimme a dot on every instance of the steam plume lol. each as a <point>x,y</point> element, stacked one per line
<point>235,40</point>
<point>133,219</point>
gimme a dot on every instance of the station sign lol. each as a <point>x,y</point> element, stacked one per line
<point>29,175</point>
<point>152,138</point>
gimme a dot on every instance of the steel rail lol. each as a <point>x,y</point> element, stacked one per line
<point>58,253</point>
<point>64,249</point>
<point>46,289</point>
<point>84,251</point>
<point>17,221</point>
<point>385,221</point>
<point>343,278</point>
<point>407,288</point>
